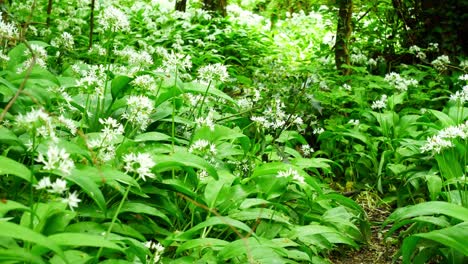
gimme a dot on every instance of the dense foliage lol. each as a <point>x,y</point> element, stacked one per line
<point>183,137</point>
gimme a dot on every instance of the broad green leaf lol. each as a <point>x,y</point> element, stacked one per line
<point>179,158</point>
<point>152,136</point>
<point>88,185</point>
<point>118,86</point>
<point>125,230</point>
<point>212,243</point>
<point>230,223</point>
<point>304,163</point>
<point>452,237</point>
<point>260,213</point>
<point>8,205</point>
<point>19,232</point>
<point>15,255</point>
<point>429,208</point>
<point>73,257</point>
<point>444,119</point>
<point>252,202</point>
<point>82,240</point>
<point>9,166</point>
<point>201,88</point>
<point>141,208</point>
<point>107,175</point>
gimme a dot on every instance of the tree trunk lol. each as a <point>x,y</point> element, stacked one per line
<point>49,12</point>
<point>343,33</point>
<point>91,24</point>
<point>217,6</point>
<point>181,5</point>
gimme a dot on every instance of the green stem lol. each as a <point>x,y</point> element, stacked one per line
<point>114,218</point>
<point>203,99</point>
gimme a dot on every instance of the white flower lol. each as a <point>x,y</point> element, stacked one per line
<point>138,111</point>
<point>291,173</point>
<point>140,164</point>
<point>213,72</point>
<point>207,121</point>
<point>114,19</point>
<point>56,159</point>
<point>380,104</point>
<point>203,146</point>
<point>7,30</point>
<point>461,96</point>
<point>43,183</point>
<point>59,186</point>
<point>441,62</point>
<point>307,150</point>
<point>65,41</point>
<point>72,200</point>
<point>145,82</point>
<point>318,131</point>
<point>177,61</point>
<point>347,87</point>
<point>354,122</point>
<point>436,144</point>
<point>400,83</point>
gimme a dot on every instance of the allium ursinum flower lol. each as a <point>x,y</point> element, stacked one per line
<point>39,122</point>
<point>40,55</point>
<point>441,62</point>
<point>56,159</point>
<point>105,142</point>
<point>433,47</point>
<point>273,117</point>
<point>43,183</point>
<point>68,123</point>
<point>137,60</point>
<point>139,109</point>
<point>359,58</point>
<point>65,41</point>
<point>59,186</point>
<point>145,83</point>
<point>203,145</point>
<point>194,99</point>
<point>3,56</point>
<point>97,49</point>
<point>291,173</point>
<point>156,248</point>
<point>460,96</point>
<point>436,144</point>
<point>7,30</point>
<point>306,150</point>
<point>114,19</point>
<point>213,72</point>
<point>139,164</point>
<point>176,61</point>
<point>206,121</point>
<point>464,65</point>
<point>463,77</point>
<point>202,175</point>
<point>92,81</point>
<point>380,104</point>
<point>318,131</point>
<point>400,83</point>
<point>347,87</point>
<point>418,52</point>
<point>72,200</point>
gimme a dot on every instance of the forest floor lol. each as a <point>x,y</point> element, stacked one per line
<point>378,250</point>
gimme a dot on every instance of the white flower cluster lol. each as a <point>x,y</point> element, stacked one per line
<point>176,62</point>
<point>213,72</point>
<point>460,96</point>
<point>206,121</point>
<point>43,125</point>
<point>306,150</point>
<point>145,83</point>
<point>40,56</point>
<point>291,173</point>
<point>140,164</point>
<point>7,30</point>
<point>59,187</point>
<point>65,41</point>
<point>441,62</point>
<point>203,145</point>
<point>137,60</point>
<point>56,159</point>
<point>105,143</point>
<point>139,109</point>
<point>114,19</point>
<point>93,79</point>
<point>275,117</point>
<point>157,250</point>
<point>418,52</point>
<point>380,104</point>
<point>400,83</point>
<point>444,139</point>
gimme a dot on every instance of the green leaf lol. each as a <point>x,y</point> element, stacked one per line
<point>152,136</point>
<point>212,243</point>
<point>19,232</point>
<point>73,257</point>
<point>82,240</point>
<point>260,213</point>
<point>201,88</point>
<point>168,162</point>
<point>429,208</point>
<point>311,163</point>
<point>452,237</point>
<point>141,208</point>
<point>215,220</point>
<point>8,205</point>
<point>89,186</point>
<point>9,166</point>
<point>444,119</point>
<point>14,255</point>
<point>118,86</point>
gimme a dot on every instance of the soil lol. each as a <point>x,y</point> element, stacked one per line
<point>378,250</point>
